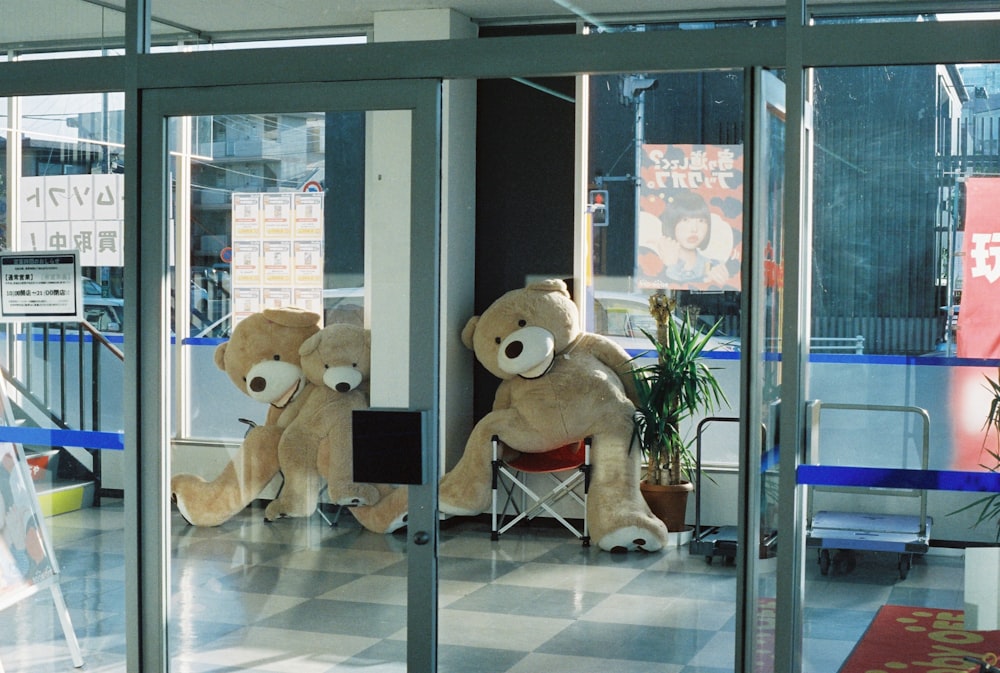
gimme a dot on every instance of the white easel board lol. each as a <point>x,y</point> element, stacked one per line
<point>27,561</point>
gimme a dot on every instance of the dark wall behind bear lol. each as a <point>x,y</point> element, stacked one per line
<point>524,194</point>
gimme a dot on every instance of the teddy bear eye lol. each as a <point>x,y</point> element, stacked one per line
<point>277,357</point>
<point>522,323</point>
<point>354,364</point>
<point>326,366</point>
<point>498,340</point>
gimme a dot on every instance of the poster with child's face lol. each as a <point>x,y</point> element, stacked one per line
<point>690,230</point>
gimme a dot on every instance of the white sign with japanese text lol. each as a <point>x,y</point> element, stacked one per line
<point>277,243</point>
<point>74,212</point>
<point>40,286</point>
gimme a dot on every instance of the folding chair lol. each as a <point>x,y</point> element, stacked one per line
<point>511,476</point>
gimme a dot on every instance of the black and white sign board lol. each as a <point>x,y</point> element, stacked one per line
<point>40,287</point>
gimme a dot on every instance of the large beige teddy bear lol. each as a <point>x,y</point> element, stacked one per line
<point>559,385</point>
<point>262,359</point>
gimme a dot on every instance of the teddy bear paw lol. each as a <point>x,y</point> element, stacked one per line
<point>397,524</point>
<point>630,538</point>
<point>353,495</point>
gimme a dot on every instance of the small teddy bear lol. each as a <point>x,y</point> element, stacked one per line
<point>337,361</point>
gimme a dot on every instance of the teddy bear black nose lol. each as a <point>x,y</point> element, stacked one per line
<point>258,383</point>
<point>513,349</point>
<point>343,387</point>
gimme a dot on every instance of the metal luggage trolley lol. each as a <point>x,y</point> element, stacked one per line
<point>838,535</point>
<point>710,541</point>
<point>722,541</point>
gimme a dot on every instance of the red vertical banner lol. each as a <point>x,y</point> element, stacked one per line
<point>979,314</point>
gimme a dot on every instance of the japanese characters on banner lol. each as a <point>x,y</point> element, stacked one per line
<point>277,251</point>
<point>979,313</point>
<point>74,212</point>
<point>690,230</point>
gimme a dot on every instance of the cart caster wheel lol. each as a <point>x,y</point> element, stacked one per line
<point>905,563</point>
<point>844,562</point>
<point>824,562</point>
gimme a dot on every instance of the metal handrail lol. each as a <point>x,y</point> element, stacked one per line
<point>40,401</point>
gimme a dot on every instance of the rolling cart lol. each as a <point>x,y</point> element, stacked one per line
<point>720,541</point>
<point>838,536</point>
<point>710,541</point>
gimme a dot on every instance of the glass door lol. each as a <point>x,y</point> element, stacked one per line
<point>761,375</point>
<point>288,235</point>
<point>899,451</point>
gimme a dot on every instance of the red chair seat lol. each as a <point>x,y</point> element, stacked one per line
<point>565,457</point>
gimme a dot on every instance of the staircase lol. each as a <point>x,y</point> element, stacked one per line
<point>52,380</point>
<point>58,494</point>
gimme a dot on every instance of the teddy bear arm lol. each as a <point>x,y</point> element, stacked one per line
<point>614,357</point>
<point>211,503</point>
<point>502,399</point>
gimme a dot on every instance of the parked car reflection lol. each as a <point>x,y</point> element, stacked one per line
<point>106,314</point>
<point>623,317</point>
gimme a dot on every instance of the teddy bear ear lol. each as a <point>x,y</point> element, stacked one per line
<point>291,316</point>
<point>468,331</point>
<point>310,344</point>
<point>549,285</point>
<point>220,355</point>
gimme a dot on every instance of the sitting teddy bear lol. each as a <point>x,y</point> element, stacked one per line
<point>559,385</point>
<point>262,359</point>
<point>337,361</point>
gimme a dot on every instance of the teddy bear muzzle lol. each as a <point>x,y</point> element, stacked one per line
<point>527,352</point>
<point>343,379</point>
<point>274,382</point>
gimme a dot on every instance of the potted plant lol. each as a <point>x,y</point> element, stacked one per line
<point>677,386</point>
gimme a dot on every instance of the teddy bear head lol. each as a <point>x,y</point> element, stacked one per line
<point>338,356</point>
<point>522,331</point>
<point>261,357</point>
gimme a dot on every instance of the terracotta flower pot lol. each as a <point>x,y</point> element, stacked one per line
<point>668,502</point>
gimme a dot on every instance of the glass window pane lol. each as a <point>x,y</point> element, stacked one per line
<point>270,214</point>
<point>64,193</point>
<point>682,134</point>
<point>904,202</point>
<point>88,28</point>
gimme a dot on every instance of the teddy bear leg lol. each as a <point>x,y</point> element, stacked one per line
<point>388,515</point>
<point>336,464</point>
<point>299,494</point>
<point>211,503</point>
<point>466,490</point>
<point>618,516</point>
<point>351,493</point>
<point>298,497</point>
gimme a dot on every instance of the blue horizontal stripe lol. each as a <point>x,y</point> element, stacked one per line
<point>877,477</point>
<point>88,439</point>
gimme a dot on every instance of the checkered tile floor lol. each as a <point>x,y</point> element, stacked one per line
<point>299,596</point>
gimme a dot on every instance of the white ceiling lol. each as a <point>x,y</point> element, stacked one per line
<point>29,24</point>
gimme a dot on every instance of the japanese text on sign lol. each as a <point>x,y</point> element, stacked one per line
<point>74,212</point>
<point>40,287</point>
